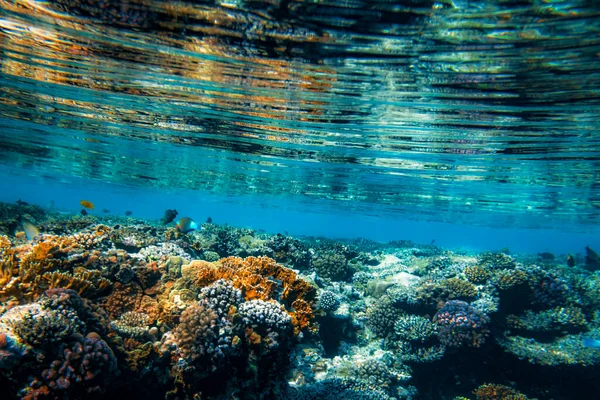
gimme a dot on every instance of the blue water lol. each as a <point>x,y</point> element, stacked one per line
<point>294,216</point>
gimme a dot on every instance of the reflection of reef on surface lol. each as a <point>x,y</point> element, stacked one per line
<point>100,306</point>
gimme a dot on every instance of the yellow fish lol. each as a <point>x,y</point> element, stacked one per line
<point>31,230</point>
<point>87,204</point>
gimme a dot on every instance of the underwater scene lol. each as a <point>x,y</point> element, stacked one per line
<point>290,199</point>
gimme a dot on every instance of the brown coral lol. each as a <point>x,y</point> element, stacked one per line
<point>490,391</point>
<point>122,299</point>
<point>477,274</point>
<point>261,278</point>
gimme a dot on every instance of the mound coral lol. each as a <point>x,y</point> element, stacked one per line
<point>330,264</point>
<point>460,324</point>
<point>83,366</point>
<point>490,391</point>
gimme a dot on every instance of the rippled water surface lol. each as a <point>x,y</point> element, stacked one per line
<point>486,112</point>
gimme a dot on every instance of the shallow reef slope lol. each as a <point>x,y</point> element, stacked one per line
<point>95,307</point>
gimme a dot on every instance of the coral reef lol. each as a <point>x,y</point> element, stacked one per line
<point>100,307</point>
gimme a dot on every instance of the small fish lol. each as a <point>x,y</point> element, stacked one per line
<point>31,230</point>
<point>83,212</point>
<point>87,204</point>
<point>169,216</point>
<point>186,225</point>
<point>209,220</point>
<point>546,256</point>
<point>128,213</point>
<point>570,260</point>
<point>105,210</point>
<point>591,343</point>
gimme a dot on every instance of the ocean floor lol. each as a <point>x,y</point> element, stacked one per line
<point>118,307</point>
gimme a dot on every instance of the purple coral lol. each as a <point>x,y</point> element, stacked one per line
<point>84,366</point>
<point>460,324</point>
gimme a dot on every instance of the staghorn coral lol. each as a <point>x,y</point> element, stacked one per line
<point>564,350</point>
<point>460,324</point>
<point>338,388</point>
<point>133,238</point>
<point>162,251</point>
<point>289,251</point>
<point>458,289</point>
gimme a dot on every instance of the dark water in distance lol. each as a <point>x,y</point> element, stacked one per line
<point>483,113</point>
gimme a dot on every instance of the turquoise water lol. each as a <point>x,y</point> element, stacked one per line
<point>440,112</point>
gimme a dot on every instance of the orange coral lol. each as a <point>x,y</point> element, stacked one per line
<point>262,278</point>
<point>491,391</point>
<point>122,299</point>
<point>26,282</point>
